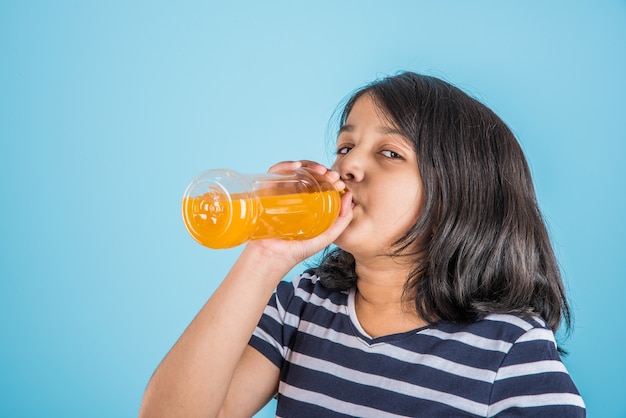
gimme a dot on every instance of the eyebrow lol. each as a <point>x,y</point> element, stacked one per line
<point>385,130</point>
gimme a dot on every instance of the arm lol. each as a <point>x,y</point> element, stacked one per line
<point>253,385</point>
<point>194,377</point>
<point>210,365</point>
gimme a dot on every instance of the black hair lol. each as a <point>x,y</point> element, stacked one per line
<point>480,244</point>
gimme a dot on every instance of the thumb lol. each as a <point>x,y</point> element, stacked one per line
<point>340,224</point>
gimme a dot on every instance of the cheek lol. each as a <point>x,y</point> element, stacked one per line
<point>405,194</point>
<point>404,205</point>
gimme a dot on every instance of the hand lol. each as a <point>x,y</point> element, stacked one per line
<point>292,252</point>
<point>289,166</point>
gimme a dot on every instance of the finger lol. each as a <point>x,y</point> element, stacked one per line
<point>315,166</point>
<point>346,204</point>
<point>340,224</point>
<point>334,178</point>
<point>296,251</point>
<point>285,166</point>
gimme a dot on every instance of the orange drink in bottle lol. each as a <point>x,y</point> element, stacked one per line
<point>223,208</point>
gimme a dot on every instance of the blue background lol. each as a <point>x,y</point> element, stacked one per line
<point>108,109</point>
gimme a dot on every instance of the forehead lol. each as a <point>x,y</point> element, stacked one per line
<point>368,113</point>
<point>368,108</point>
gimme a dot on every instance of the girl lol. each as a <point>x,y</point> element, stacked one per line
<point>440,298</point>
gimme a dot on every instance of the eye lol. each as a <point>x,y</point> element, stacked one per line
<point>343,150</point>
<point>391,154</point>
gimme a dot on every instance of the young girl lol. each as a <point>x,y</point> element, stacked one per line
<point>440,298</point>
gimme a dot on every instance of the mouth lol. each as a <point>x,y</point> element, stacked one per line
<point>353,203</point>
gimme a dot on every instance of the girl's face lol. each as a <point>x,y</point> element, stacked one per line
<point>379,166</point>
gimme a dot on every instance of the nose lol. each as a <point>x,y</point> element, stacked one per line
<point>350,166</point>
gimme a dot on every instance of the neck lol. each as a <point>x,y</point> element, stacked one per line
<point>381,305</point>
<point>382,285</point>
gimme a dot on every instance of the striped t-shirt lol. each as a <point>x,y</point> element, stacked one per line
<point>330,367</point>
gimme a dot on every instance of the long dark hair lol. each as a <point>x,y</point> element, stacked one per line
<point>480,244</point>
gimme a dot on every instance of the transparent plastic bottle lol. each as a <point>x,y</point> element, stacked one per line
<point>224,208</point>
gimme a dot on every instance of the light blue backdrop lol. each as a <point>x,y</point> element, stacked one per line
<point>108,109</point>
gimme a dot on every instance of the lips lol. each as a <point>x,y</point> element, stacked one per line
<point>352,202</point>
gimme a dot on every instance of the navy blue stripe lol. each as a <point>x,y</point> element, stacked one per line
<point>531,351</point>
<point>267,350</point>
<point>376,364</point>
<point>288,408</point>
<point>453,350</point>
<point>556,411</point>
<point>532,385</point>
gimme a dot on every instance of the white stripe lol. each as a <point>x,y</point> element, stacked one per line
<point>510,319</point>
<point>470,339</point>
<point>399,354</point>
<point>537,367</point>
<point>313,299</point>
<point>530,401</point>
<point>306,275</point>
<point>392,385</point>
<point>333,404</point>
<point>541,321</point>
<point>352,312</point>
<point>270,340</point>
<point>537,334</point>
<point>281,316</point>
<point>272,312</point>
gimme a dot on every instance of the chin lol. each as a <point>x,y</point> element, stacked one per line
<point>345,242</point>
<point>352,243</point>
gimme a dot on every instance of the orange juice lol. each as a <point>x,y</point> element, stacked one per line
<point>219,222</point>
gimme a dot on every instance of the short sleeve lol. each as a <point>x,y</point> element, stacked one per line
<point>276,326</point>
<point>532,381</point>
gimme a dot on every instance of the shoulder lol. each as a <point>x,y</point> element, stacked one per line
<point>307,288</point>
<point>531,375</point>
<point>499,344</point>
<point>526,371</point>
<point>306,291</point>
<point>515,329</point>
<point>528,338</point>
<point>494,333</point>
<point>303,301</point>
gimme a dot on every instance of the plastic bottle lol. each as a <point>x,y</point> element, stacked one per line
<point>224,208</point>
